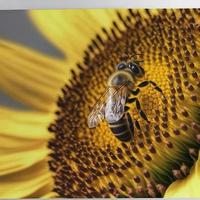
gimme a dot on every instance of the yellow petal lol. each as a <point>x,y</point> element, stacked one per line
<point>31,77</point>
<point>72,30</point>
<point>50,195</point>
<point>17,161</point>
<point>23,132</point>
<point>25,182</point>
<point>188,187</point>
<point>24,125</point>
<point>23,154</point>
<point>44,192</point>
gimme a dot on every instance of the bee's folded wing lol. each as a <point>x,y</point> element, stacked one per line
<point>95,118</point>
<point>110,106</point>
<point>114,109</point>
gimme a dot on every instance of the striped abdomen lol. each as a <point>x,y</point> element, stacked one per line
<point>123,129</point>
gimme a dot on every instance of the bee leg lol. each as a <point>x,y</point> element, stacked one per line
<point>126,108</point>
<point>143,84</point>
<point>141,112</point>
<point>131,100</point>
<point>156,87</point>
<point>135,92</point>
<point>137,124</point>
<point>131,126</point>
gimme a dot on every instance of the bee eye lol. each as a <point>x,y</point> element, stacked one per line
<point>121,65</point>
<point>136,69</point>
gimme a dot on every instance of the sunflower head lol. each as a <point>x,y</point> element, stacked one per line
<point>93,162</point>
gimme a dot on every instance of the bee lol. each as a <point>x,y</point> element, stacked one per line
<point>111,106</point>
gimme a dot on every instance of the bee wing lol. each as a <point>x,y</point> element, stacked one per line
<point>114,109</point>
<point>100,108</point>
<point>98,111</point>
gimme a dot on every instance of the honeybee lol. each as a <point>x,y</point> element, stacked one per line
<point>111,106</point>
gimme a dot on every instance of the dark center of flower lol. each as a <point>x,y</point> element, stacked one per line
<point>93,162</point>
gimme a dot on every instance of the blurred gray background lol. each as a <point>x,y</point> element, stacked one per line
<point>16,26</point>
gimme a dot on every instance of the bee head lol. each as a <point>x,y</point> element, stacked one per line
<point>132,67</point>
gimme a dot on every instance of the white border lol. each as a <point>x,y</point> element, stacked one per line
<point>58,4</point>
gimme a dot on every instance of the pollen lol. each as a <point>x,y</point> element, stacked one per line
<point>93,162</point>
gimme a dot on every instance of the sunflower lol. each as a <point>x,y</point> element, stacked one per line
<point>75,161</point>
